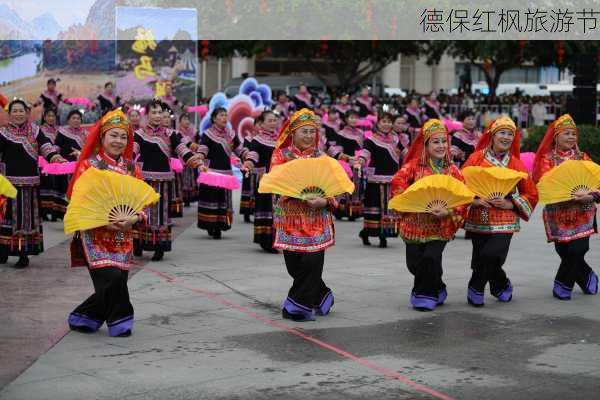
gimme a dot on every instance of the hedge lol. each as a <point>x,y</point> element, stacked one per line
<point>589,140</point>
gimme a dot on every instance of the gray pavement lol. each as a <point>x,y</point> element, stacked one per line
<point>208,326</point>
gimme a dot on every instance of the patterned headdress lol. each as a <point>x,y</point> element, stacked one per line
<point>299,119</point>
<point>560,125</point>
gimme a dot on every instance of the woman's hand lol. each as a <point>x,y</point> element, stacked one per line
<point>504,204</point>
<point>482,203</point>
<point>195,161</point>
<point>57,159</point>
<point>124,225</point>
<point>317,202</point>
<point>583,197</point>
<point>247,166</point>
<point>194,147</point>
<point>440,212</point>
<point>75,153</point>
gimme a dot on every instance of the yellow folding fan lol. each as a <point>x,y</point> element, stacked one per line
<point>432,192</point>
<point>492,182</point>
<point>307,178</point>
<point>561,183</point>
<point>103,197</point>
<point>6,188</point>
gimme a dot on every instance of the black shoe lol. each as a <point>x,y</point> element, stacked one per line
<point>137,251</point>
<point>186,203</point>
<point>82,329</point>
<point>382,242</point>
<point>22,263</point>
<point>127,333</point>
<point>473,304</point>
<point>247,218</point>
<point>3,258</point>
<point>53,218</point>
<point>158,255</point>
<point>352,218</point>
<point>270,249</point>
<point>365,237</point>
<point>216,234</point>
<point>423,309</point>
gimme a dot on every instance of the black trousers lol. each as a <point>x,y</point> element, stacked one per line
<point>424,261</point>
<point>306,269</point>
<point>489,255</point>
<point>109,303</point>
<point>573,267</point>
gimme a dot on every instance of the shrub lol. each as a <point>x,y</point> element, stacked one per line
<point>589,140</point>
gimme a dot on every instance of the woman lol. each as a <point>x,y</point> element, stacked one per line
<point>261,150</point>
<point>303,99</point>
<point>107,99</point>
<point>570,224</point>
<point>491,223</point>
<point>50,98</point>
<point>401,128</point>
<point>69,142</point>
<point>49,196</point>
<point>176,195</point>
<point>382,156</point>
<point>21,143</point>
<point>331,127</point>
<point>426,234</point>
<point>433,106</point>
<point>134,115</point>
<point>190,175</point>
<point>248,195</point>
<point>303,240</point>
<point>106,251</point>
<point>364,103</point>
<point>348,144</point>
<point>465,139</point>
<point>343,106</point>
<point>154,146</point>
<point>414,116</point>
<point>218,143</point>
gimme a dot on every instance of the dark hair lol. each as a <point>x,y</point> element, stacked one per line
<point>154,103</point>
<point>349,113</point>
<point>17,101</point>
<point>107,84</point>
<point>385,115</point>
<point>184,115</point>
<point>51,80</point>
<point>263,116</point>
<point>396,117</point>
<point>73,112</point>
<point>48,111</point>
<point>332,111</point>
<point>465,114</point>
<point>216,112</point>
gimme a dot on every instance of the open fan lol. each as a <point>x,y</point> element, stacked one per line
<point>492,182</point>
<point>103,197</point>
<point>432,192</point>
<point>6,188</point>
<point>561,183</point>
<point>307,178</point>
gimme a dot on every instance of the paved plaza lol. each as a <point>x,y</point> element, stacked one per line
<point>208,326</point>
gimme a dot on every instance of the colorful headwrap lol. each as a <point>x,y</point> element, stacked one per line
<point>299,119</point>
<point>114,119</point>
<point>560,125</point>
<point>417,149</point>
<point>93,142</point>
<point>499,124</point>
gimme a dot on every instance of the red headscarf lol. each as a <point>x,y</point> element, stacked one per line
<point>417,149</point>
<point>502,123</point>
<point>563,123</point>
<point>298,119</point>
<point>93,143</point>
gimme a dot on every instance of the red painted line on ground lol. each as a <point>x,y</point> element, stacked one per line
<point>327,346</point>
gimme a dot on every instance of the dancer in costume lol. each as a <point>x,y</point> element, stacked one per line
<point>465,139</point>
<point>382,157</point>
<point>348,144</point>
<point>190,175</point>
<point>404,131</point>
<point>106,251</point>
<point>154,146</point>
<point>343,106</point>
<point>261,150</point>
<point>69,142</point>
<point>49,194</point>
<point>569,225</point>
<point>492,223</point>
<point>176,193</point>
<point>303,229</point>
<point>433,107</point>
<point>217,144</point>
<point>107,99</point>
<point>303,99</point>
<point>426,234</point>
<point>50,98</point>
<point>21,143</point>
<point>364,103</point>
<point>248,196</point>
<point>414,115</point>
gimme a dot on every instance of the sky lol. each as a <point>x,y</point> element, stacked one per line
<point>64,11</point>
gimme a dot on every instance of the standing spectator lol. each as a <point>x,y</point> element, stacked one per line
<point>538,112</point>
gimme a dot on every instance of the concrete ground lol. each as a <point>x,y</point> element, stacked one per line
<point>208,326</point>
